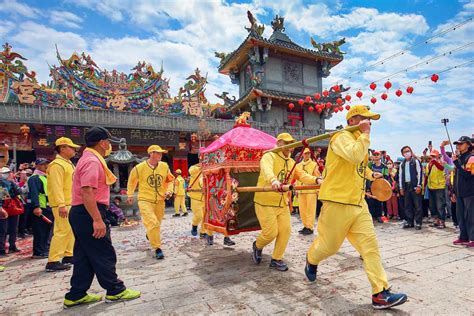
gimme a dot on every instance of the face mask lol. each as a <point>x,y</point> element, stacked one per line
<point>108,151</point>
<point>407,155</point>
<point>5,176</point>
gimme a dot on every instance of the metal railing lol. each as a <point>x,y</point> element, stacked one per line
<point>34,114</point>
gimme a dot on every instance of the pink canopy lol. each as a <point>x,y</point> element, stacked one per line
<point>245,137</point>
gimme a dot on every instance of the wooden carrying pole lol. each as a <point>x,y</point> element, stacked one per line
<point>284,188</point>
<point>312,139</point>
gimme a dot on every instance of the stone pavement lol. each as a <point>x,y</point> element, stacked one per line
<point>199,279</point>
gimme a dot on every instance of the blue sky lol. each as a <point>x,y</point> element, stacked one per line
<point>185,34</point>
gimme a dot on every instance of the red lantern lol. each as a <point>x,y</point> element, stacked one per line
<point>359,94</point>
<point>340,109</point>
<point>291,106</point>
<point>311,109</point>
<point>301,102</point>
<point>398,92</point>
<point>348,97</point>
<point>339,101</point>
<point>325,93</point>
<point>410,90</point>
<point>308,99</point>
<point>387,85</point>
<point>317,96</point>
<point>434,77</point>
<point>384,96</point>
<point>319,110</point>
<point>336,110</point>
<point>373,100</point>
<point>373,86</point>
<point>348,107</point>
<point>328,105</point>
<point>336,88</point>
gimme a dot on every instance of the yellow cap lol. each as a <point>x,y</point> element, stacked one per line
<point>362,110</point>
<point>66,141</point>
<point>306,150</point>
<point>286,137</point>
<point>178,171</point>
<point>156,148</point>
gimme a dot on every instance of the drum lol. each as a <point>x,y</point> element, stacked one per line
<point>381,189</point>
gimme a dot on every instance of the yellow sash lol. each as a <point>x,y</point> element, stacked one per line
<point>110,178</point>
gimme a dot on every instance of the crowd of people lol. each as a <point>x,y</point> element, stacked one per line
<point>68,209</point>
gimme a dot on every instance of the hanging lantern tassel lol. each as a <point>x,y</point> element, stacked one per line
<point>359,94</point>
<point>384,96</point>
<point>434,78</point>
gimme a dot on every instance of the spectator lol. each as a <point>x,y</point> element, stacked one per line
<point>24,222</point>
<point>115,214</point>
<point>464,190</point>
<point>449,172</point>
<point>9,211</point>
<point>375,206</point>
<point>435,183</point>
<point>38,206</point>
<point>392,204</point>
<point>410,181</point>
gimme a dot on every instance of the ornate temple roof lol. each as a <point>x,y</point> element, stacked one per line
<point>238,56</point>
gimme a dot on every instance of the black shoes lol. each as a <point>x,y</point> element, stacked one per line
<point>194,231</point>
<point>278,265</point>
<point>407,225</point>
<point>417,226</point>
<point>57,267</point>
<point>185,214</point>
<point>210,240</point>
<point>68,261</point>
<point>176,215</point>
<point>159,254</point>
<point>306,231</point>
<point>228,242</point>
<point>311,271</point>
<point>256,253</point>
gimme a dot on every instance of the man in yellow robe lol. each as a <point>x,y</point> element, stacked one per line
<point>307,199</point>
<point>272,207</point>
<point>155,185</point>
<point>179,194</point>
<point>345,213</point>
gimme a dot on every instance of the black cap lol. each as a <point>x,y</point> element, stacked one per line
<point>41,161</point>
<point>98,133</point>
<point>463,139</point>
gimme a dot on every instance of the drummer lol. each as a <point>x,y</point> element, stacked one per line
<point>345,213</point>
<point>271,208</point>
<point>307,199</point>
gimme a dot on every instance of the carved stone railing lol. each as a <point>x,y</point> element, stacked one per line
<point>32,114</point>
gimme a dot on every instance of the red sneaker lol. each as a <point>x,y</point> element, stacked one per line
<point>458,242</point>
<point>470,244</point>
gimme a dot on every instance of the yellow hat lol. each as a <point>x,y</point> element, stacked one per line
<point>362,110</point>
<point>156,148</point>
<point>286,137</point>
<point>306,150</point>
<point>178,171</point>
<point>66,141</point>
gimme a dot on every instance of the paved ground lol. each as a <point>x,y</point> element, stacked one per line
<point>200,279</point>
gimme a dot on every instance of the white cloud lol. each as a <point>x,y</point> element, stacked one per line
<point>5,28</point>
<point>65,18</point>
<point>17,8</point>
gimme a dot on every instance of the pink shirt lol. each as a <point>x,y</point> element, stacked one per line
<point>90,173</point>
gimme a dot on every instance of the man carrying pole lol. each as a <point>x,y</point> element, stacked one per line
<point>345,213</point>
<point>155,185</point>
<point>307,199</point>
<point>272,208</point>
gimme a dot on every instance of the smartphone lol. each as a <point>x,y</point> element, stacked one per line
<point>430,143</point>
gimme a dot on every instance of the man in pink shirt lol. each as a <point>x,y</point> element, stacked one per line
<point>94,253</point>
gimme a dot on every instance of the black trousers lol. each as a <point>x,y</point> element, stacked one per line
<point>375,208</point>
<point>92,256</point>
<point>41,232</point>
<point>8,226</point>
<point>413,207</point>
<point>437,200</point>
<point>465,217</point>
